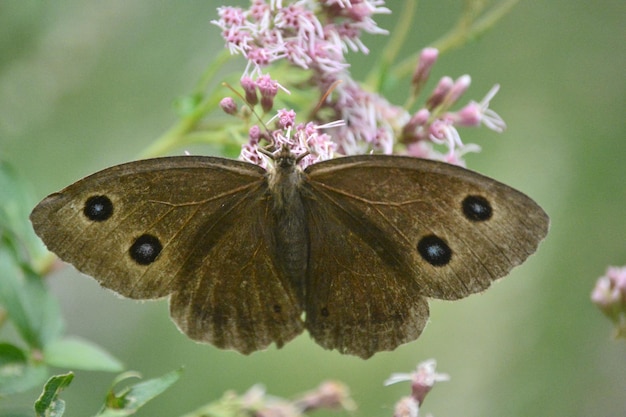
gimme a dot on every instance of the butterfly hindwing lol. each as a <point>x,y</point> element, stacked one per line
<point>240,299</point>
<point>358,301</point>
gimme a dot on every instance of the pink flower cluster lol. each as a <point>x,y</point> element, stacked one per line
<point>315,36</point>
<point>329,395</point>
<point>434,123</point>
<point>609,295</point>
<point>267,32</point>
<point>301,138</point>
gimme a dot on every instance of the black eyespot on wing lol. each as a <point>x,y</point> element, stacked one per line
<point>277,308</point>
<point>98,208</point>
<point>477,208</point>
<point>324,312</point>
<point>145,249</point>
<point>434,250</point>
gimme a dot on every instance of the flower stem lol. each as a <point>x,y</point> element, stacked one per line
<point>176,135</point>
<point>468,27</point>
<point>209,73</point>
<point>400,32</point>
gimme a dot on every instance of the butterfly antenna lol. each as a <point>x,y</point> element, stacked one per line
<point>300,157</point>
<point>251,107</point>
<point>325,96</point>
<point>238,94</point>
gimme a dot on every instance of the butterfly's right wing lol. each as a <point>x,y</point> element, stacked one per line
<point>193,227</point>
<point>239,299</point>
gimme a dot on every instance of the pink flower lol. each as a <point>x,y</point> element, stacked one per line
<point>228,105</point>
<point>268,89</point>
<point>300,139</point>
<point>459,88</point>
<point>286,118</point>
<point>406,407</point>
<point>422,380</point>
<point>427,59</point>
<point>609,294</point>
<point>249,88</point>
<point>440,92</point>
<point>476,113</point>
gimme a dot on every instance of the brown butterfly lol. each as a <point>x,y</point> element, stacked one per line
<point>349,248</point>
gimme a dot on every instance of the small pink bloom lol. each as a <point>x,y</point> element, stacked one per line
<point>440,92</point>
<point>249,153</point>
<point>475,113</point>
<point>286,118</point>
<point>443,132</point>
<point>267,86</point>
<point>330,395</point>
<point>254,134</point>
<point>618,275</point>
<point>249,88</point>
<point>228,105</point>
<point>609,294</point>
<point>427,59</point>
<point>604,294</point>
<point>259,10</point>
<point>259,56</point>
<point>422,379</point>
<point>230,16</point>
<point>420,118</point>
<point>406,407</point>
<point>422,149</point>
<point>459,88</point>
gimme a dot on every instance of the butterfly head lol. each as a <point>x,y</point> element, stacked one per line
<point>285,159</point>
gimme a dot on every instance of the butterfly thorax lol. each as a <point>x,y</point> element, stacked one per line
<point>285,179</point>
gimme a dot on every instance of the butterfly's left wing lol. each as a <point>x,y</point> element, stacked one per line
<point>410,228</point>
<point>357,299</point>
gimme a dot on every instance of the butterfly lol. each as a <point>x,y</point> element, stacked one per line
<point>349,249</point>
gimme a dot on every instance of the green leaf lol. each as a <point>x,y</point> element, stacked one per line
<point>187,104</point>
<point>23,295</point>
<point>49,404</point>
<point>16,373</point>
<point>17,202</point>
<point>29,305</point>
<point>75,353</point>
<point>130,399</point>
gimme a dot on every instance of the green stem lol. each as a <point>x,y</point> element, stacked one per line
<point>466,30</point>
<point>463,31</point>
<point>209,73</point>
<point>174,136</point>
<point>391,51</point>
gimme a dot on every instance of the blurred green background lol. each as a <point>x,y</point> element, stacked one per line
<point>85,85</point>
